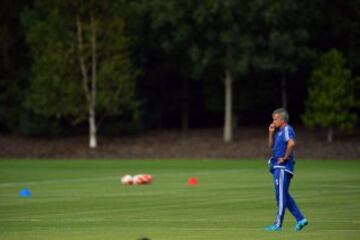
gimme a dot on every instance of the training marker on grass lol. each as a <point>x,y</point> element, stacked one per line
<point>25,193</point>
<point>192,181</point>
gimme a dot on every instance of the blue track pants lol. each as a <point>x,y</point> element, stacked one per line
<point>283,198</point>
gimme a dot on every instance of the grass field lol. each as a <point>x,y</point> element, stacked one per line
<point>233,200</point>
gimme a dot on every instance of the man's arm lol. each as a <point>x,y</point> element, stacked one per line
<point>289,148</point>
<point>271,135</point>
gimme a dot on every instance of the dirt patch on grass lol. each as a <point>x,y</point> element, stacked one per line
<point>249,142</point>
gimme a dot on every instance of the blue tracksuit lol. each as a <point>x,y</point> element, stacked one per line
<point>282,174</point>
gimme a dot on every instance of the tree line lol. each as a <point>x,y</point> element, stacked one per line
<point>120,67</point>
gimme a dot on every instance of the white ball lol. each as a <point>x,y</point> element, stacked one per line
<point>127,179</point>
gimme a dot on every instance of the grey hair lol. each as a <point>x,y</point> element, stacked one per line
<point>282,113</point>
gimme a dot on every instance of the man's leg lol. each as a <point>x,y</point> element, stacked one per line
<point>281,185</point>
<point>293,208</point>
<point>276,178</point>
<point>301,221</point>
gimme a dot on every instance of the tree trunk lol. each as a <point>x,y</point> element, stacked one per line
<point>92,113</point>
<point>284,102</point>
<point>92,128</point>
<point>228,107</point>
<point>89,89</point>
<point>330,135</point>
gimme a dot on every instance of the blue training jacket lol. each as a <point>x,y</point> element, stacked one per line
<point>281,138</point>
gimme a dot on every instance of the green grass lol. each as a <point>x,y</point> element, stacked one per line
<point>233,200</point>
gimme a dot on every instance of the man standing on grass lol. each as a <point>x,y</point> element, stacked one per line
<point>281,165</point>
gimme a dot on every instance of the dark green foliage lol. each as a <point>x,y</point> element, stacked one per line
<point>181,49</point>
<point>331,99</point>
<point>57,88</point>
<point>284,33</point>
<point>13,64</point>
<point>31,125</point>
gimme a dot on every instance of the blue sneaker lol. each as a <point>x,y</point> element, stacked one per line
<point>272,228</point>
<point>301,224</point>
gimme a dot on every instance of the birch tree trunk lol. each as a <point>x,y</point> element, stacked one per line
<point>92,128</point>
<point>228,107</point>
<point>89,89</point>
<point>92,105</point>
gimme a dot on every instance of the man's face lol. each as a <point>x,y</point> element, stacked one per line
<point>277,121</point>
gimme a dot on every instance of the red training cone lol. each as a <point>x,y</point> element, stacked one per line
<point>192,181</point>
